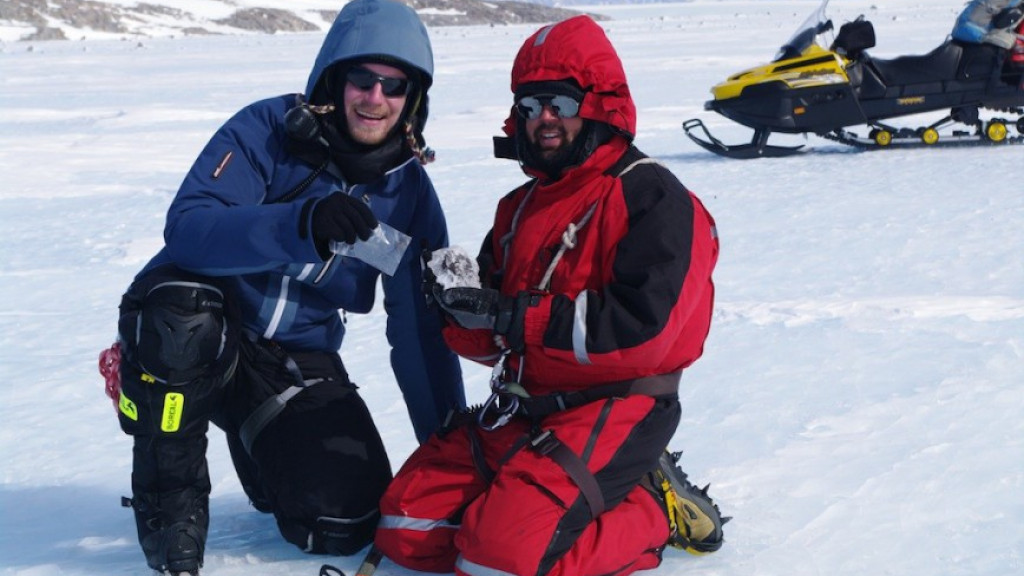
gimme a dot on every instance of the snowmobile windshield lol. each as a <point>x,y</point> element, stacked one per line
<point>815,24</point>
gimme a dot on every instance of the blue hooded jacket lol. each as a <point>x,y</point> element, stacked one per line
<point>230,218</point>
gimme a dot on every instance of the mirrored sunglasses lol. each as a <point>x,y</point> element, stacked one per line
<point>364,80</point>
<point>531,107</point>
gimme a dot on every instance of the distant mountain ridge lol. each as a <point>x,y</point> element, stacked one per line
<point>30,20</point>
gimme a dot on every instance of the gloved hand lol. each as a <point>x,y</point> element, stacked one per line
<point>486,308</point>
<point>342,218</point>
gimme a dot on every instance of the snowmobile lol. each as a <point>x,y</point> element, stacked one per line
<point>813,89</point>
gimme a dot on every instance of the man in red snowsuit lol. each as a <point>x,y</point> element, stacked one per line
<point>596,293</point>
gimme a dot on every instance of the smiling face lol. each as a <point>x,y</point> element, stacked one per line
<point>551,135</point>
<point>370,113</point>
<point>551,140</point>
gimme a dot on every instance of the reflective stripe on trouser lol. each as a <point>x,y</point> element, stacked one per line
<point>416,524</point>
<point>533,519</point>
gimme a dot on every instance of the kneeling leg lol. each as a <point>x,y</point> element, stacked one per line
<point>177,358</point>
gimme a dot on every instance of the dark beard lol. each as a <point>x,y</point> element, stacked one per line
<point>590,137</point>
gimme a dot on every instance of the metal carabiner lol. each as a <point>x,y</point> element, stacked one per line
<point>504,412</point>
<point>503,403</point>
<point>497,383</point>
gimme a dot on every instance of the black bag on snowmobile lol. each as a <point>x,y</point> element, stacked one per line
<point>854,38</point>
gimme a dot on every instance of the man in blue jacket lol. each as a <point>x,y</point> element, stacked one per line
<point>236,320</point>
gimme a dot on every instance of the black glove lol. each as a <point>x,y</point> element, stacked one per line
<point>479,308</point>
<point>342,218</point>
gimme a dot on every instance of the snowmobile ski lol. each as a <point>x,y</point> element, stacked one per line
<point>757,148</point>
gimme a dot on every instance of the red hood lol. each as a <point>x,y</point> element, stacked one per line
<point>577,48</point>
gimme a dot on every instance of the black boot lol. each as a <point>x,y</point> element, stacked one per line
<point>172,530</point>
<point>171,500</point>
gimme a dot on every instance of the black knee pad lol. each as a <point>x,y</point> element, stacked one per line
<point>179,342</point>
<point>175,326</point>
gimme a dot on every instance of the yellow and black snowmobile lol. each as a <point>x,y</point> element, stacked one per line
<point>811,89</point>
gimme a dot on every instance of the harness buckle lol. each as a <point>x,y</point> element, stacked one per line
<point>544,443</point>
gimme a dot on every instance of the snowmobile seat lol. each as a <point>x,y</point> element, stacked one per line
<point>979,61</point>
<point>929,69</point>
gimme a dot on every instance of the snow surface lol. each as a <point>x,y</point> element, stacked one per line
<point>858,409</point>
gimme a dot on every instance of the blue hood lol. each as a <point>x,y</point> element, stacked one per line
<point>385,29</point>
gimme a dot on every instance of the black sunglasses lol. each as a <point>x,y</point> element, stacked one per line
<point>364,80</point>
<point>531,107</point>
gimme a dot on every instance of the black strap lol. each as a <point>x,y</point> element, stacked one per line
<point>548,445</point>
<point>265,413</point>
<point>321,367</point>
<point>537,407</point>
<point>477,451</point>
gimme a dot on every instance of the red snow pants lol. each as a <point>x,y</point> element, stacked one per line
<point>483,503</point>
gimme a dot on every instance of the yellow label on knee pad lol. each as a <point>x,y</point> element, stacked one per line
<point>174,403</point>
<point>127,407</point>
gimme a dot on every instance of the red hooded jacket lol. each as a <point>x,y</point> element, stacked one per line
<point>632,294</point>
